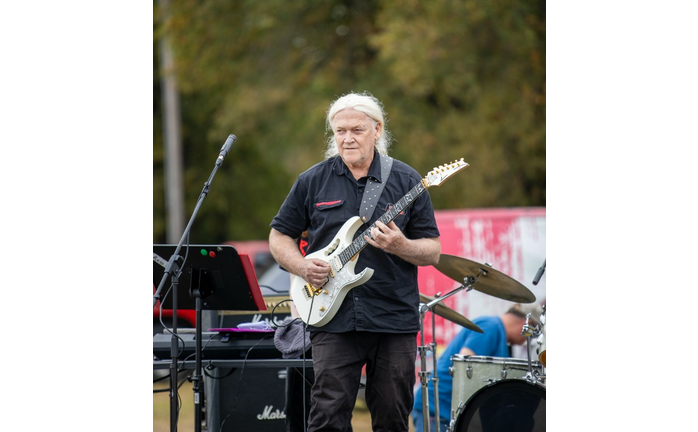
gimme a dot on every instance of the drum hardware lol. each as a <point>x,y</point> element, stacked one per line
<point>423,373</point>
<point>446,312</point>
<point>468,282</point>
<point>456,414</point>
<point>541,340</point>
<point>528,331</point>
<point>534,332</point>
<point>469,373</point>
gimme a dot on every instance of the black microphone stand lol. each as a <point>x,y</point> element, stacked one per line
<point>172,271</point>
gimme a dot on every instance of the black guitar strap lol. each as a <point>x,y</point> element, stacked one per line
<point>374,189</point>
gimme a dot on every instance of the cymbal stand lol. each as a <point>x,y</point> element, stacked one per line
<point>468,283</point>
<point>423,372</point>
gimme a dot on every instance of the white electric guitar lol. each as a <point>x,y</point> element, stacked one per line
<point>318,305</point>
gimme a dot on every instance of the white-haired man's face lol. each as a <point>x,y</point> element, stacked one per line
<point>355,135</point>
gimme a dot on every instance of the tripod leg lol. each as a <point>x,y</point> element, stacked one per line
<point>197,378</point>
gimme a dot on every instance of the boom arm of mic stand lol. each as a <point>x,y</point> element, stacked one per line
<point>175,255</point>
<point>224,151</point>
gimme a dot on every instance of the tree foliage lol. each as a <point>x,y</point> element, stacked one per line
<point>458,78</point>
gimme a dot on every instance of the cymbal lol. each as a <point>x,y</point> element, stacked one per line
<point>444,311</point>
<point>492,282</point>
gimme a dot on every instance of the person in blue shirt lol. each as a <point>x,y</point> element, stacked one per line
<point>499,333</point>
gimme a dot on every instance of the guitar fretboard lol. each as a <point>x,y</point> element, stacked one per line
<point>360,242</point>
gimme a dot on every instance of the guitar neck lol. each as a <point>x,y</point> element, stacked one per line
<point>360,242</point>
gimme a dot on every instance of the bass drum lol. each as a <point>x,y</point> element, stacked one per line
<point>513,405</point>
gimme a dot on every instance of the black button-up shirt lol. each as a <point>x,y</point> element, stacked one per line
<point>322,199</point>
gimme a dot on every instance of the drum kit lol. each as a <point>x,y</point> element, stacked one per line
<point>489,393</point>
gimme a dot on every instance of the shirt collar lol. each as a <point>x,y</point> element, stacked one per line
<point>374,171</point>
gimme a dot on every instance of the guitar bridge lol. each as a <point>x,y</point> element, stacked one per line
<point>311,291</point>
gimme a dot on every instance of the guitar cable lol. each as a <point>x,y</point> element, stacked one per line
<point>305,349</point>
<point>305,329</point>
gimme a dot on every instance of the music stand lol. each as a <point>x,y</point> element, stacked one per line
<point>216,278</point>
<point>218,272</point>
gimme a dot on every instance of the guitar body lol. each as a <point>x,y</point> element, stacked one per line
<point>318,305</point>
<point>318,309</point>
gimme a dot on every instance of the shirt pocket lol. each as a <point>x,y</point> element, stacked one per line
<point>326,205</point>
<point>327,214</point>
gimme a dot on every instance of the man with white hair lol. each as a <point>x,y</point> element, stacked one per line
<point>377,322</point>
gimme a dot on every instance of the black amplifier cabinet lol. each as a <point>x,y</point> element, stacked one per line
<point>245,399</point>
<point>254,399</point>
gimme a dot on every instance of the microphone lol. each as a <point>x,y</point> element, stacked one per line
<point>226,147</point>
<point>539,274</point>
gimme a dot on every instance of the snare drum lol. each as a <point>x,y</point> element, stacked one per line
<point>494,394</point>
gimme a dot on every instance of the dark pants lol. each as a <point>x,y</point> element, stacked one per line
<point>338,359</point>
<point>298,398</point>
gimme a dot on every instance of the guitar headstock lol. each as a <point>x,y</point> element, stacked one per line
<point>441,173</point>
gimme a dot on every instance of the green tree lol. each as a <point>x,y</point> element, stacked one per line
<point>458,79</point>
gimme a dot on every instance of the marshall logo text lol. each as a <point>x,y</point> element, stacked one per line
<point>267,414</point>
